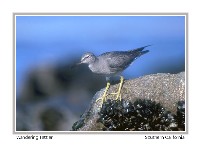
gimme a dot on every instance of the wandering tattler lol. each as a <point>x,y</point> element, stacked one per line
<point>112,64</point>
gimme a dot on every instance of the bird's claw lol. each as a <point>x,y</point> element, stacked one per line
<point>103,98</point>
<point>118,93</point>
<point>119,96</point>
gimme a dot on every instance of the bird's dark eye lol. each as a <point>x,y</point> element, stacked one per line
<point>87,56</point>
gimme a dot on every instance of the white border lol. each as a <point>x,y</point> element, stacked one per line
<point>101,14</point>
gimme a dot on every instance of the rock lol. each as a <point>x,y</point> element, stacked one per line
<point>166,91</point>
<point>45,115</point>
<point>48,100</point>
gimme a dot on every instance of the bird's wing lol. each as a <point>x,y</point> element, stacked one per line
<point>118,61</point>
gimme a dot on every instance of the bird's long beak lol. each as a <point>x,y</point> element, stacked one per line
<point>75,65</point>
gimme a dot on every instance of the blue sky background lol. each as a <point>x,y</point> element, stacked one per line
<point>53,39</point>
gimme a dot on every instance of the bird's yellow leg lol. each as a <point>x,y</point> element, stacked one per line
<point>103,98</point>
<point>118,93</point>
<point>120,88</point>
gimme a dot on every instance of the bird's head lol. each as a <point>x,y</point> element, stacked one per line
<point>88,58</point>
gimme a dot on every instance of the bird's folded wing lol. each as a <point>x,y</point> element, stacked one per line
<point>119,62</point>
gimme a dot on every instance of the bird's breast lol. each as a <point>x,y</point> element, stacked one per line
<point>99,69</point>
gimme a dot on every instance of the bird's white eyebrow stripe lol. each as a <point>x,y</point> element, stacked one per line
<point>85,57</point>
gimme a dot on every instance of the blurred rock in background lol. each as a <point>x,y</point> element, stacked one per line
<point>54,97</point>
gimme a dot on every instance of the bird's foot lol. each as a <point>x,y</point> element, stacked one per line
<point>118,93</point>
<point>103,98</point>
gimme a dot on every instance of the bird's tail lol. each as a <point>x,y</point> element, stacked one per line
<point>139,51</point>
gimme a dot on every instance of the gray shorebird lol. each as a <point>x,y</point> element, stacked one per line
<point>112,64</point>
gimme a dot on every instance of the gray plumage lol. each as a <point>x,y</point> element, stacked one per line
<point>112,63</point>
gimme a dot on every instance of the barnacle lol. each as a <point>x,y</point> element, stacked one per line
<point>142,115</point>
